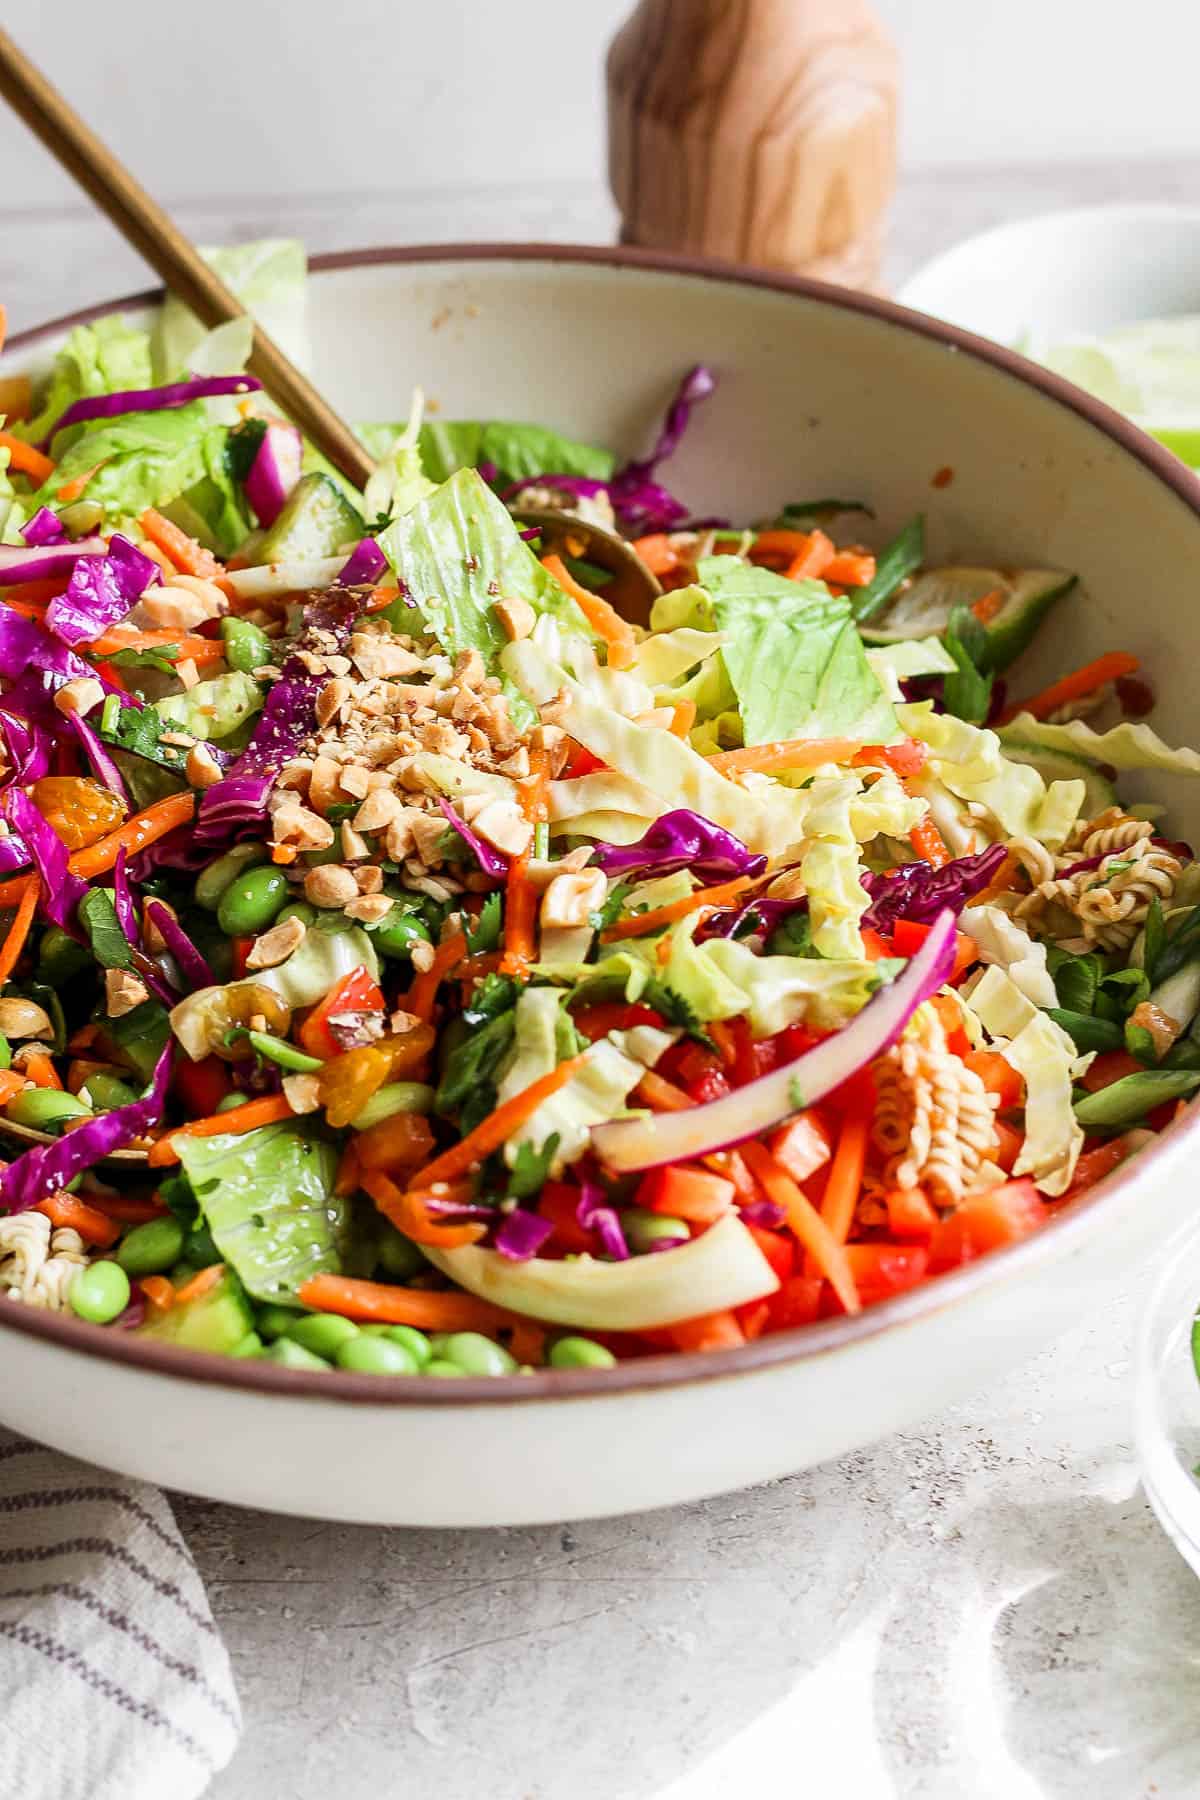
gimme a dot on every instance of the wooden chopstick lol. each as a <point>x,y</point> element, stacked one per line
<point>156,238</point>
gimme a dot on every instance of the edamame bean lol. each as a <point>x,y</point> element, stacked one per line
<point>412,1340</point>
<point>398,932</point>
<point>107,1092</point>
<point>443,1370</point>
<point>246,647</point>
<point>212,882</point>
<point>252,900</point>
<point>44,1108</point>
<point>293,1356</point>
<point>477,1355</point>
<point>399,1257</point>
<point>60,957</point>
<point>297,909</point>
<point>275,1321</point>
<point>580,1353</point>
<point>150,1248</point>
<point>376,1356</point>
<point>645,1229</point>
<point>100,1292</point>
<point>322,1333</point>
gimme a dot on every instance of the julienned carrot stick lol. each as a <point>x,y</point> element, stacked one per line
<point>710,898</point>
<point>657,552</point>
<point>802,553</point>
<point>18,931</point>
<point>64,1210</point>
<point>73,490</point>
<point>520,919</point>
<point>37,1067</point>
<point>376,1303</point>
<point>851,568</point>
<point>381,598</point>
<point>407,1211</point>
<point>134,835</point>
<point>683,719</point>
<point>422,994</point>
<point>660,1095</point>
<point>37,593</point>
<point>496,1129</point>
<point>929,844</point>
<point>805,1223</point>
<point>201,1283</point>
<point>845,1175</point>
<point>603,618</point>
<point>1075,686</point>
<point>157,1292</point>
<point>789,753</point>
<point>189,557</point>
<point>267,1111</point>
<point>25,459</point>
<point>188,643</point>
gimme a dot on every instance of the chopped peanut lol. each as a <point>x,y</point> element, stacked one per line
<point>330,885</point>
<point>516,616</point>
<point>202,768</point>
<point>570,898</point>
<point>79,696</point>
<point>276,945</point>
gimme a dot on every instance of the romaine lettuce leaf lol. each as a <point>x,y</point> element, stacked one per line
<point>268,277</point>
<point>517,451</point>
<point>794,657</point>
<point>267,1198</point>
<point>1126,746</point>
<point>894,663</point>
<point>104,358</point>
<point>141,459</point>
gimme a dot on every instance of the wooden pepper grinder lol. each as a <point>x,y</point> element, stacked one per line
<point>760,131</point>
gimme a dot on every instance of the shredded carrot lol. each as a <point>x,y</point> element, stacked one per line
<point>660,1095</point>
<point>65,1211</point>
<point>25,459</point>
<point>189,644</point>
<point>157,1292</point>
<point>377,1303</point>
<point>37,1067</point>
<point>845,1174</point>
<point>18,931</point>
<point>37,593</point>
<point>201,1283</point>
<point>988,605</point>
<point>683,718</point>
<point>127,1208</point>
<point>929,844</point>
<point>134,835</point>
<point>422,995</point>
<point>658,553</point>
<point>603,618</point>
<point>189,557</point>
<point>268,1110</point>
<point>496,1129</point>
<point>850,568</point>
<point>802,553</point>
<point>1076,686</point>
<point>408,1212</point>
<point>11,1083</point>
<point>709,899</point>
<point>73,490</point>
<point>905,758</point>
<point>381,598</point>
<point>806,1224</point>
<point>527,1345</point>
<point>1004,879</point>
<point>789,753</point>
<point>711,1331</point>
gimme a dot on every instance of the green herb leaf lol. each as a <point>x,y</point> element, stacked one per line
<point>485,933</point>
<point>163,658</point>
<point>792,936</point>
<point>474,1062</point>
<point>610,912</point>
<point>1076,978</point>
<point>98,915</point>
<point>495,994</point>
<point>902,558</point>
<point>531,1168</point>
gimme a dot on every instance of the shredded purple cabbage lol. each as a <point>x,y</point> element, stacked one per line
<point>522,1235</point>
<point>681,840</point>
<point>918,893</point>
<point>61,891</point>
<point>101,763</point>
<point>768,913</point>
<point>48,1167</point>
<point>489,860</point>
<point>14,853</point>
<point>157,399</point>
<point>26,747</point>
<point>190,963</point>
<point>24,646</point>
<point>123,900</point>
<point>594,1214</point>
<point>101,592</point>
<point>45,527</point>
<point>367,563</point>
<point>45,561</point>
<point>763,1212</point>
<point>641,504</point>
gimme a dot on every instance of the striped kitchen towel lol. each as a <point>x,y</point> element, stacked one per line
<point>116,1684</point>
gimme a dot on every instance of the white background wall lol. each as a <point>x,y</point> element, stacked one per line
<point>322,98</point>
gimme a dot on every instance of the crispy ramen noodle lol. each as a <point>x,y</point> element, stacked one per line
<point>1110,901</point>
<point>38,1266</point>
<point>933,1116</point>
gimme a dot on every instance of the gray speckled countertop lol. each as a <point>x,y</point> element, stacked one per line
<point>983,1609</point>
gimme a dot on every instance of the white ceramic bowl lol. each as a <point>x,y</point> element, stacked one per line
<point>821,391</point>
<point>1066,272</point>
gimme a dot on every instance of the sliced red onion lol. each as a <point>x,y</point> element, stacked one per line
<point>763,1212</point>
<point>625,1145</point>
<point>489,860</point>
<point>594,1214</point>
<point>157,399</point>
<point>45,527</point>
<point>367,563</point>
<point>102,765</point>
<point>274,471</point>
<point>43,562</point>
<point>522,1235</point>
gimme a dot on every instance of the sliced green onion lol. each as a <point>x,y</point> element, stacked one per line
<point>278,1050</point>
<point>394,1097</point>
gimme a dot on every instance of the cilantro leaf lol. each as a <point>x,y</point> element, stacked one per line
<point>610,912</point>
<point>531,1168</point>
<point>485,933</point>
<point>98,915</point>
<point>495,994</point>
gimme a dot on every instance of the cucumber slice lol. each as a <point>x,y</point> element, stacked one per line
<point>218,1321</point>
<point>1058,765</point>
<point>317,520</point>
<point>923,608</point>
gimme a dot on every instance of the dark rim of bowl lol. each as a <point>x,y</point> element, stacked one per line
<point>765,1353</point>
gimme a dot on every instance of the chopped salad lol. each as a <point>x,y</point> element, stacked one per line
<point>410,965</point>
